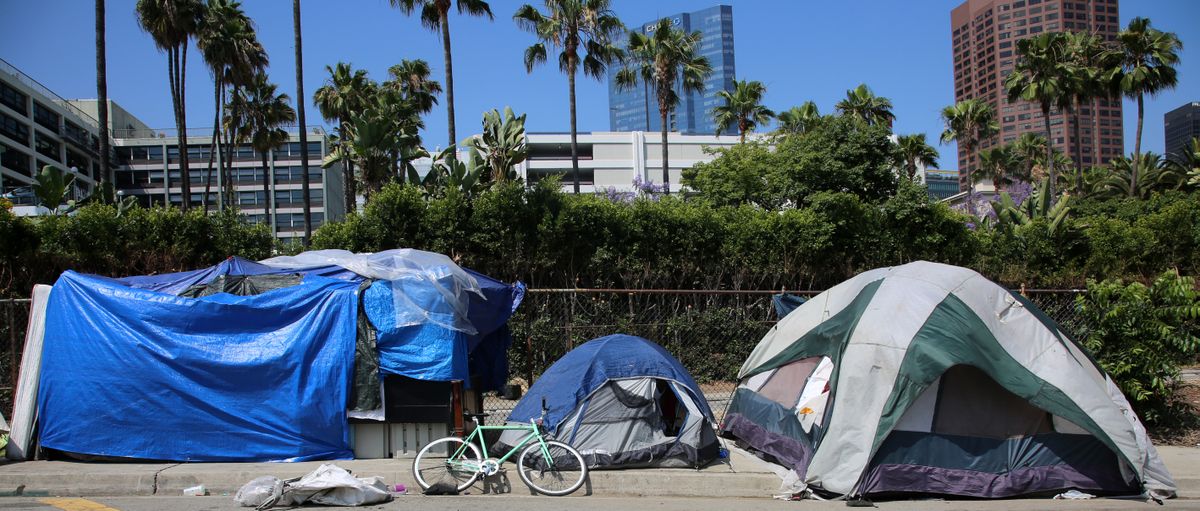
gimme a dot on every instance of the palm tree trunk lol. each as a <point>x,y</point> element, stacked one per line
<point>971,157</point>
<point>212,147</point>
<point>666,175</point>
<point>266,190</point>
<point>184,175</point>
<point>102,92</point>
<point>175,111</point>
<point>574,144</point>
<point>449,76</point>
<point>1049,152</point>
<point>231,144</point>
<point>1078,147</point>
<point>300,100</point>
<point>349,183</point>
<point>1137,149</point>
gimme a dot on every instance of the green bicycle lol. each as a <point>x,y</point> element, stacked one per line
<point>548,466</point>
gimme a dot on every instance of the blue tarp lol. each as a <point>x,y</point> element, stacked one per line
<point>786,303</point>
<point>424,352</point>
<point>143,374</point>
<point>584,369</point>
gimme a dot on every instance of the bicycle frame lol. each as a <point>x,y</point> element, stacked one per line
<point>534,433</point>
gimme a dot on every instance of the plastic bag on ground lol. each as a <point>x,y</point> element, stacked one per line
<point>257,491</point>
<point>328,485</point>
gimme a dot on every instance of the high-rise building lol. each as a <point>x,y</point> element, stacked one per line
<point>1180,126</point>
<point>984,38</point>
<point>636,109</point>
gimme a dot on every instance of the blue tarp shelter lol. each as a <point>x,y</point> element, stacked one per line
<point>131,369</point>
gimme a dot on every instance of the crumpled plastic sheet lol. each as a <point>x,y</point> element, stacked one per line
<point>328,485</point>
<point>406,268</point>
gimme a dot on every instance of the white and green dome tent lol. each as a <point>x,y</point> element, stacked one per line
<point>930,379</point>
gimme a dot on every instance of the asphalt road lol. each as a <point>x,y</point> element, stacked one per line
<point>523,503</point>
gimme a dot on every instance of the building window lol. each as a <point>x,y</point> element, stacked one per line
<point>15,160</point>
<point>46,147</point>
<point>46,117</point>
<point>77,161</point>
<point>13,99</point>
<point>14,129</point>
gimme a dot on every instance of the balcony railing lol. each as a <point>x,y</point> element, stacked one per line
<point>9,69</point>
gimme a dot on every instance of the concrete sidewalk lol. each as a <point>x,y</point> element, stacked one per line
<point>742,476</point>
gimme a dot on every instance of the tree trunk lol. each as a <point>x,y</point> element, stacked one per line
<point>300,100</point>
<point>349,183</point>
<point>231,145</point>
<point>971,156</point>
<point>1053,176</point>
<point>449,76</point>
<point>175,111</point>
<point>1078,145</point>
<point>102,93</point>
<point>574,143</point>
<point>185,176</point>
<point>266,191</point>
<point>212,146</point>
<point>666,175</point>
<point>1137,150</point>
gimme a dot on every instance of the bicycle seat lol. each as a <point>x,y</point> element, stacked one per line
<point>479,418</point>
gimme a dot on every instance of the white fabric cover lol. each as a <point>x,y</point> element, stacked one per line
<point>25,399</point>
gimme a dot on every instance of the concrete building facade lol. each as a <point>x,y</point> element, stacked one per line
<point>1180,127</point>
<point>148,168</point>
<point>612,160</point>
<point>38,128</point>
<point>636,109</point>
<point>984,35</point>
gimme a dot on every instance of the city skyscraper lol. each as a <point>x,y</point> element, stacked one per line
<point>984,36</point>
<point>636,109</point>
<point>1180,126</point>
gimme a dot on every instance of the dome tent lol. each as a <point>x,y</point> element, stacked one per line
<point>621,401</point>
<point>930,379</point>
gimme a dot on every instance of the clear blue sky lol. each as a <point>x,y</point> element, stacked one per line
<point>800,50</point>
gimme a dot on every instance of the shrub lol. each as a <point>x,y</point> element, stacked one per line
<point>1141,335</point>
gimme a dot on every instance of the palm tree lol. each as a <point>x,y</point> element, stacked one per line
<point>660,59</point>
<point>1187,162</point>
<point>1091,61</point>
<point>102,92</point>
<point>172,23</point>
<point>435,15</point>
<point>1041,75</point>
<point>1030,149</point>
<point>863,104</point>
<point>968,122</point>
<point>268,111</point>
<point>743,108</point>
<point>234,56</point>
<point>1124,179</point>
<point>573,25</point>
<point>1148,59</point>
<point>914,150</point>
<point>997,164</point>
<point>344,95</point>
<point>303,127</point>
<point>799,119</point>
<point>411,79</point>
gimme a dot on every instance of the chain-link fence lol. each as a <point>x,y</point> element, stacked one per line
<point>710,331</point>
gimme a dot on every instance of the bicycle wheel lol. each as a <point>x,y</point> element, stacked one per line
<point>436,463</point>
<point>560,475</point>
